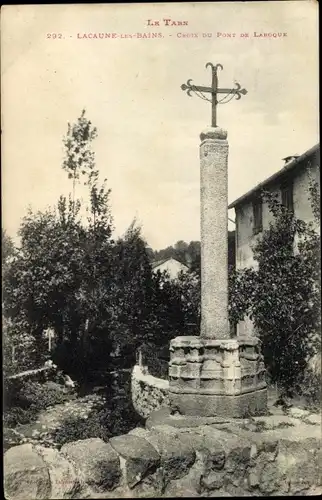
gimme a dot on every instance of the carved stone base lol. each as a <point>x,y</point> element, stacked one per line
<point>222,378</point>
<point>238,406</point>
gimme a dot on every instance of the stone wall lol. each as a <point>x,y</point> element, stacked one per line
<point>164,461</point>
<point>36,375</point>
<point>148,393</point>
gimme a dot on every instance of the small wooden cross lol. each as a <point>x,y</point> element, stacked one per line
<point>214,91</point>
<point>49,333</point>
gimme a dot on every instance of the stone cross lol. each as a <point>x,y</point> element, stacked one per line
<point>214,91</point>
<point>211,375</point>
<point>214,215</point>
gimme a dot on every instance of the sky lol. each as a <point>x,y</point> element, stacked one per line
<point>148,128</point>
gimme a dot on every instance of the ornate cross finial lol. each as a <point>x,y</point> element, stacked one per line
<point>214,91</point>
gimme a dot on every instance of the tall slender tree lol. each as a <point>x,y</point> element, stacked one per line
<point>79,157</point>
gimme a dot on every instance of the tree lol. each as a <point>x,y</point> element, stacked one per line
<point>53,275</point>
<point>282,296</point>
<point>19,350</point>
<point>79,157</point>
<point>71,276</point>
<point>8,248</point>
<point>133,289</point>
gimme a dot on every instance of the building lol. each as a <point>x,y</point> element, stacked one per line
<point>252,216</point>
<point>171,265</point>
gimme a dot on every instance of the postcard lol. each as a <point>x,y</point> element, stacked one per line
<point>161,223</point>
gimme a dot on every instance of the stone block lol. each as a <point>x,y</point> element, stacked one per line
<point>97,462</point>
<point>270,478</point>
<point>139,456</point>
<point>188,485</point>
<point>213,481</point>
<point>139,432</point>
<point>151,486</point>
<point>306,472</point>
<point>177,455</point>
<point>163,417</point>
<point>224,406</point>
<point>253,479</point>
<point>62,473</point>
<point>26,474</point>
<point>215,458</point>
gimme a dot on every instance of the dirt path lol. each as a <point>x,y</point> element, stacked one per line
<point>52,418</point>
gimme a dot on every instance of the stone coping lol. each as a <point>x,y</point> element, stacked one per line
<point>198,341</point>
<point>140,373</point>
<point>34,372</point>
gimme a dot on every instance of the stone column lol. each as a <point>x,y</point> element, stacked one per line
<point>214,233</point>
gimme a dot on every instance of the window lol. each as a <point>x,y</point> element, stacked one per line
<point>257,216</point>
<point>287,197</point>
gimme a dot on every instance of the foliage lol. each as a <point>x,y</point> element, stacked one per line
<point>100,423</point>
<point>20,351</point>
<point>189,289</point>
<point>18,416</point>
<point>115,417</point>
<point>25,400</point>
<point>310,388</point>
<point>99,296</point>
<point>281,296</point>
<point>7,247</point>
<point>44,395</point>
<point>175,311</point>
<point>155,360</point>
<point>79,158</point>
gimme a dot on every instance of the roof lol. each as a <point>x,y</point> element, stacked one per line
<point>291,165</point>
<point>158,263</point>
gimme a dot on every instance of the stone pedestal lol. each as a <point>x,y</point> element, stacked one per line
<point>217,378</point>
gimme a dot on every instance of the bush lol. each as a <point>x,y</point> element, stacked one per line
<point>282,296</point>
<point>154,358</point>
<point>101,423</point>
<point>41,396</point>
<point>76,428</point>
<point>24,400</point>
<point>16,415</point>
<point>311,390</point>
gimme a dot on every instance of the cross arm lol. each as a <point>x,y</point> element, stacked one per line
<point>189,87</point>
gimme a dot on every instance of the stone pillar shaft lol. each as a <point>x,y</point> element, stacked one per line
<point>214,233</point>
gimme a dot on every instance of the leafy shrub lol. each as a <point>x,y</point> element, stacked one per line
<point>27,399</point>
<point>282,296</point>
<point>16,415</point>
<point>40,396</point>
<point>77,428</point>
<point>101,423</point>
<point>310,388</point>
<point>154,358</point>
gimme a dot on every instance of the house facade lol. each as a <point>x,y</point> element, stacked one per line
<point>252,216</point>
<point>171,265</point>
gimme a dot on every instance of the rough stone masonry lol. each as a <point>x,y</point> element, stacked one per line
<point>164,462</point>
<point>212,375</point>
